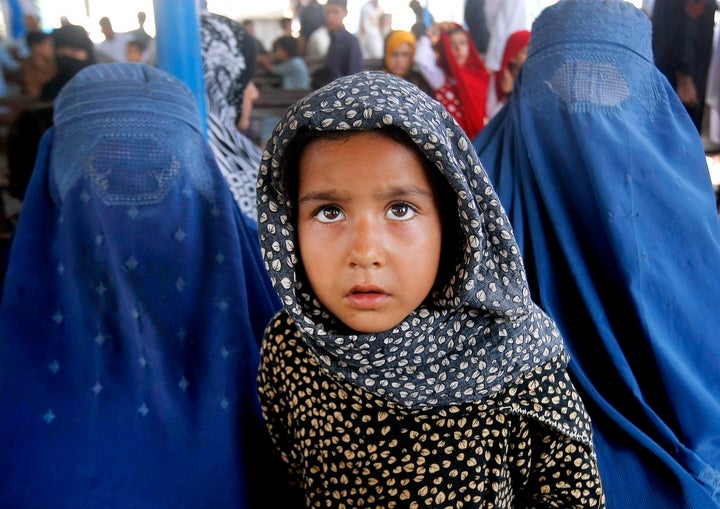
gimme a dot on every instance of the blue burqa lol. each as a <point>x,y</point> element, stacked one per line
<point>604,178</point>
<point>131,312</point>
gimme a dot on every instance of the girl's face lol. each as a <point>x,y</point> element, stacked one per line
<point>400,60</point>
<point>369,228</point>
<point>459,47</point>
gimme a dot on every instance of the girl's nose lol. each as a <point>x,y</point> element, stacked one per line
<point>366,247</point>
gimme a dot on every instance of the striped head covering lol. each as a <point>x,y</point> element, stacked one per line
<point>229,57</point>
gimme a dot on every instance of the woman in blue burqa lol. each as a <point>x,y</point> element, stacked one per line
<point>132,307</point>
<point>604,178</point>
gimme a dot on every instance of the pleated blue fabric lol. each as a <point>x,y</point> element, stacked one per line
<point>132,310</point>
<point>604,178</point>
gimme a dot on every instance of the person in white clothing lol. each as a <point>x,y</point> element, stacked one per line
<point>114,47</point>
<point>425,58</point>
<point>371,35</point>
<point>504,17</point>
<point>317,47</point>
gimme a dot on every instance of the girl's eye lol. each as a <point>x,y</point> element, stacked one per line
<point>401,211</point>
<point>329,214</point>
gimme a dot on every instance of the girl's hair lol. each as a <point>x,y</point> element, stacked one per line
<point>445,195</point>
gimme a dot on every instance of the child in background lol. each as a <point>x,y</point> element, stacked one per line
<point>344,55</point>
<point>135,51</point>
<point>399,59</point>
<point>409,366</point>
<point>286,63</point>
<point>464,92</point>
<point>39,66</point>
<point>502,81</point>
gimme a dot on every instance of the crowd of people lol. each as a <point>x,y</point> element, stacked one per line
<point>469,67</point>
<point>478,272</point>
<point>441,57</point>
<point>45,62</point>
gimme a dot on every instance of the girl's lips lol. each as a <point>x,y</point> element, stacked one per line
<point>367,298</point>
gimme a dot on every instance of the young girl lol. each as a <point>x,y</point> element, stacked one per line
<point>399,58</point>
<point>464,92</point>
<point>503,80</point>
<point>409,366</point>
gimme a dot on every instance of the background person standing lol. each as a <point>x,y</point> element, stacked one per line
<point>344,55</point>
<point>682,42</point>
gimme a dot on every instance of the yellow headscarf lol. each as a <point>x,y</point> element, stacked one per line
<point>395,39</point>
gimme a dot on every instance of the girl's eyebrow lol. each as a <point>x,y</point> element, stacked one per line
<point>320,196</point>
<point>392,192</point>
<point>406,192</point>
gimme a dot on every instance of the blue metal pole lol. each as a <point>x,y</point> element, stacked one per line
<point>177,36</point>
<point>17,27</point>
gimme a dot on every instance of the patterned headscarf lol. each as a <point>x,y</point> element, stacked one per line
<point>481,331</point>
<point>132,309</point>
<point>229,58</point>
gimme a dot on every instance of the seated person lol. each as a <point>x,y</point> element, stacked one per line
<point>229,58</point>
<point>39,66</point>
<point>74,51</point>
<point>285,62</point>
<point>399,59</point>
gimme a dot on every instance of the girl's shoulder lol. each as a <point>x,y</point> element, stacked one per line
<point>547,395</point>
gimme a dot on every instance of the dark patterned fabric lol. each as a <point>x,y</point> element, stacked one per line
<point>466,353</point>
<point>349,448</point>
<point>229,58</point>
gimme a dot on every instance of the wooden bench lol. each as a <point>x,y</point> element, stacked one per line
<point>269,107</point>
<point>274,100</point>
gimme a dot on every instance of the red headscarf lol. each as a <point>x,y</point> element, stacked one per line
<point>468,83</point>
<point>516,42</point>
